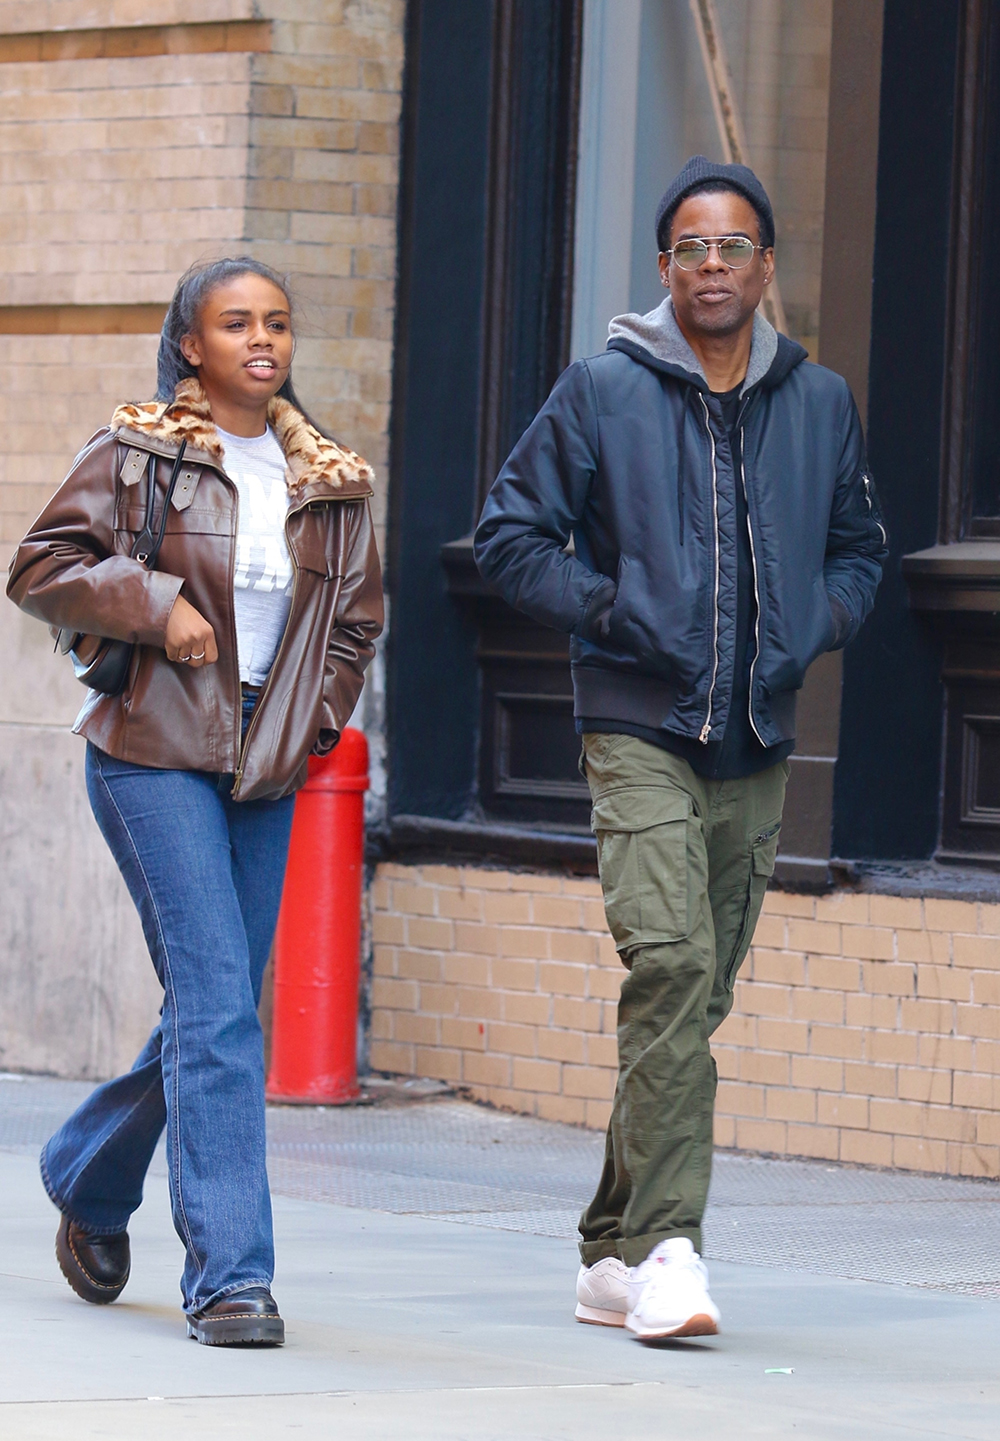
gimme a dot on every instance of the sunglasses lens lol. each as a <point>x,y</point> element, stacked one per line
<point>736,252</point>
<point>689,254</point>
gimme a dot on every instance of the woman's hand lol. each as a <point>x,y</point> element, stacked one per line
<point>190,640</point>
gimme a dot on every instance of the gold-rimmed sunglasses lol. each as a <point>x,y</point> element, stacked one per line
<point>736,251</point>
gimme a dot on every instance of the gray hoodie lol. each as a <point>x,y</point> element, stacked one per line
<point>659,333</point>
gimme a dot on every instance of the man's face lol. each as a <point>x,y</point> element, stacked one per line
<point>715,299</point>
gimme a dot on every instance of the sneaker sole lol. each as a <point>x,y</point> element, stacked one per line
<point>699,1325</point>
<point>595,1316</point>
<point>238,1331</point>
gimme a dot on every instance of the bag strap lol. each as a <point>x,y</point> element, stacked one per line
<point>146,547</point>
<point>144,540</point>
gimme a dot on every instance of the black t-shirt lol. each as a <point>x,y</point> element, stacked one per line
<point>739,752</point>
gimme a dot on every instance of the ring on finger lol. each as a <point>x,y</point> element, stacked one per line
<point>200,656</point>
<point>183,659</point>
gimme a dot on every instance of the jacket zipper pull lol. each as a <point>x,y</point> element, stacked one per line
<point>866,478</point>
<point>705,730</point>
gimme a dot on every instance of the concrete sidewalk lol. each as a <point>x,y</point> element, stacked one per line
<point>404,1324</point>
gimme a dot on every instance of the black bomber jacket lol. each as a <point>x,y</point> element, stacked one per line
<point>621,459</point>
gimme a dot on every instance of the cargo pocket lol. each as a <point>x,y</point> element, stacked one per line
<point>763,853</point>
<point>642,852</point>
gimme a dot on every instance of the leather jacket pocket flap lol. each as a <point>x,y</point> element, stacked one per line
<point>317,549</point>
<point>313,558</point>
<point>636,808</point>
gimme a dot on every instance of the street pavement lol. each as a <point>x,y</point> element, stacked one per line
<point>427,1307</point>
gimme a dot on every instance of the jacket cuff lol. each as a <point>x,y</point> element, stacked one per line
<point>326,741</point>
<point>162,590</point>
<point>842,619</point>
<point>594,624</point>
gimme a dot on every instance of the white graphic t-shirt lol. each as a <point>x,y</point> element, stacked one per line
<point>262,584</point>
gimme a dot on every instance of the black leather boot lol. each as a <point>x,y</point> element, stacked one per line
<point>97,1267</point>
<point>247,1318</point>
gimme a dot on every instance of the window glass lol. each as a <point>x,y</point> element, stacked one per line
<point>984,374</point>
<point>651,96</point>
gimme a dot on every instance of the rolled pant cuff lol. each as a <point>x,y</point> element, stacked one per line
<point>633,1250</point>
<point>593,1251</point>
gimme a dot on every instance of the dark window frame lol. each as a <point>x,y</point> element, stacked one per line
<point>977,134</point>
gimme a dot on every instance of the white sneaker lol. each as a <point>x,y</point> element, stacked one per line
<point>673,1299</point>
<point>602,1293</point>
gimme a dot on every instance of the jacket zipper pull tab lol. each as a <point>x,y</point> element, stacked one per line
<point>705,731</point>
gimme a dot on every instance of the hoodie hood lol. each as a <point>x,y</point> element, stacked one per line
<point>656,339</point>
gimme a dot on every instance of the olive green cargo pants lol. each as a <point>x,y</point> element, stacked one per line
<point>684,864</point>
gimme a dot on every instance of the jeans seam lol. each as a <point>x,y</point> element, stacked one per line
<point>189,1240</point>
<point>55,1197</point>
<point>47,1182</point>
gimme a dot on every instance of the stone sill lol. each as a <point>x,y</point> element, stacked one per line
<point>963,576</point>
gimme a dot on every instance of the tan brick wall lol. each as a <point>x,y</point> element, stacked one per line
<point>116,174</point>
<point>866,1028</point>
<point>321,199</point>
<point>506,983</point>
<point>18,17</point>
<point>55,391</point>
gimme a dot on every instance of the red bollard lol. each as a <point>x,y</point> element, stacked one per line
<point>318,940</point>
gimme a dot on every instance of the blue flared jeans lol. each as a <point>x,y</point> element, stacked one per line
<point>206,875</point>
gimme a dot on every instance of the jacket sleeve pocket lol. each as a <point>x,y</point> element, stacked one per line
<point>642,849</point>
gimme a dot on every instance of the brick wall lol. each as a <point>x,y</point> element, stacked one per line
<point>866,1028</point>
<point>503,982</point>
<point>138,136</point>
<point>117,172</point>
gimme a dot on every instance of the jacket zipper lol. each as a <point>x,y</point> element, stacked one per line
<point>871,509</point>
<point>756,596</point>
<point>232,620</point>
<point>706,729</point>
<point>238,777</point>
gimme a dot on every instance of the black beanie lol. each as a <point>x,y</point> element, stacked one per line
<point>738,177</point>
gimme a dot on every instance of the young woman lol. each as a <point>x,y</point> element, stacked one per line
<point>251,636</point>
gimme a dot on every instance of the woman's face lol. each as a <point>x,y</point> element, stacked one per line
<point>242,347</point>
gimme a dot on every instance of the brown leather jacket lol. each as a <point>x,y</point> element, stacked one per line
<point>74,570</point>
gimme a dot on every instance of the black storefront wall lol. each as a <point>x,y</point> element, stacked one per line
<point>433,682</point>
<point>919,774</point>
<point>955,584</point>
<point>480,735</point>
<point>480,707</point>
<point>888,776</point>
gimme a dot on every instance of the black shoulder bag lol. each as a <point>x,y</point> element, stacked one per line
<point>102,664</point>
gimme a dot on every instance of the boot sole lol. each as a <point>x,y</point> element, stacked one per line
<point>96,1292</point>
<point>596,1316</point>
<point>699,1325</point>
<point>237,1331</point>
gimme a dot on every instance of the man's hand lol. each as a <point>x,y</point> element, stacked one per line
<point>190,640</point>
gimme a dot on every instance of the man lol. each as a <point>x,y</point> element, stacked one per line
<point>726,532</point>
